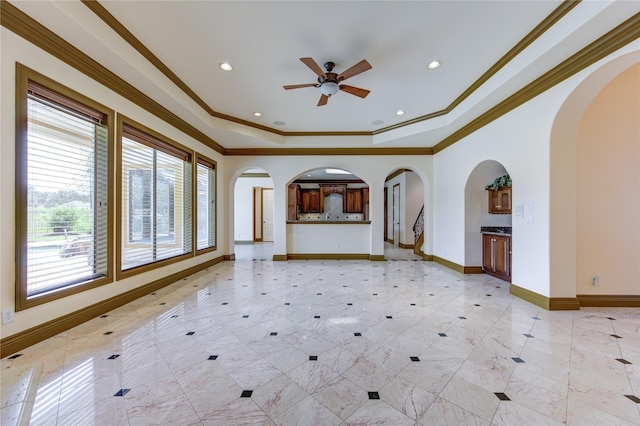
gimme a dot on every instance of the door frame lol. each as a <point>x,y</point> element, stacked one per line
<point>393,217</point>
<point>262,189</point>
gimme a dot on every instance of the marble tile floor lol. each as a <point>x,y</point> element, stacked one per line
<point>253,341</point>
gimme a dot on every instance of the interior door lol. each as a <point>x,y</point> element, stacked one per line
<point>396,214</point>
<point>267,214</point>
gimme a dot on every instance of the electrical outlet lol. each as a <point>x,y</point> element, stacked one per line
<point>7,316</point>
<point>595,280</point>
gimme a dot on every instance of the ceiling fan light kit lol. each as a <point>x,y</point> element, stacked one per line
<point>329,82</point>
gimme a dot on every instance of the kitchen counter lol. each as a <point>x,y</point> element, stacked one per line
<point>328,222</point>
<point>497,230</point>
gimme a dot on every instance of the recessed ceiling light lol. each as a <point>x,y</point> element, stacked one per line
<point>399,112</point>
<point>434,64</point>
<point>225,66</point>
<point>257,114</point>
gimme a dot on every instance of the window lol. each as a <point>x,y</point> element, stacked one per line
<point>155,193</point>
<point>62,175</point>
<point>206,204</point>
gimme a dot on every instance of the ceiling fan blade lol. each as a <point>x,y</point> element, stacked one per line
<point>361,66</point>
<point>314,66</point>
<point>299,86</point>
<point>323,100</point>
<point>355,90</point>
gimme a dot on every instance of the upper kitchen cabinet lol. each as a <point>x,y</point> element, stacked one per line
<point>310,202</point>
<point>354,200</point>
<point>500,200</point>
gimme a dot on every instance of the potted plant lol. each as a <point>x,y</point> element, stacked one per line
<point>504,180</point>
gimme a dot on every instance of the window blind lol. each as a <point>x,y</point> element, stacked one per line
<point>156,200</point>
<point>67,178</point>
<point>206,218</point>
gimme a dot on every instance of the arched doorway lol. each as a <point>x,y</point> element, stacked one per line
<point>481,220</point>
<point>404,215</point>
<point>253,215</point>
<point>595,165</point>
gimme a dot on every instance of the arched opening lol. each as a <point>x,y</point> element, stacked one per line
<point>328,215</point>
<point>404,215</point>
<point>487,221</point>
<point>595,188</point>
<point>253,215</point>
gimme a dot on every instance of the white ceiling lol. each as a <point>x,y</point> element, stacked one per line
<point>263,41</point>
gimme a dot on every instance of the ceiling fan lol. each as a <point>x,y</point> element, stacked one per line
<point>329,82</point>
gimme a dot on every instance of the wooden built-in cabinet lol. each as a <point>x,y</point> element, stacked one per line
<point>292,201</point>
<point>310,201</point>
<point>354,200</point>
<point>500,200</point>
<point>496,255</point>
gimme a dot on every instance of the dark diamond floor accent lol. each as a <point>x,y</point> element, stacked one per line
<point>245,316</point>
<point>191,333</point>
<point>108,333</point>
<point>633,398</point>
<point>412,304</point>
<point>502,396</point>
<point>374,395</point>
<point>122,392</point>
<point>357,334</point>
<point>349,304</point>
<point>313,357</point>
<point>212,357</point>
<point>15,356</point>
<point>174,316</point>
<point>488,295</point>
<point>103,316</point>
<point>375,294</point>
<point>622,360</point>
<point>264,294</point>
<point>287,304</point>
<point>536,318</point>
<point>113,356</point>
<point>462,317</point>
<point>442,335</point>
<point>273,333</point>
<point>246,394</point>
<point>475,304</point>
<point>616,336</point>
<point>224,303</point>
<point>316,316</point>
<point>612,319</point>
<point>389,317</point>
<point>414,358</point>
<point>518,360</point>
<point>529,336</point>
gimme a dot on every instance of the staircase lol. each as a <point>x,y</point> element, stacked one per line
<point>418,233</point>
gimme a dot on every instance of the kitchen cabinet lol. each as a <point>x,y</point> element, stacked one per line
<point>354,200</point>
<point>292,201</point>
<point>310,201</point>
<point>326,189</point>
<point>496,255</point>
<point>500,200</point>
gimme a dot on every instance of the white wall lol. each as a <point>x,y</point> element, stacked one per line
<point>373,170</point>
<point>323,238</point>
<point>16,49</point>
<point>243,211</point>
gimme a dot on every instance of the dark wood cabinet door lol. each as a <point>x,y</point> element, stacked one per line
<point>502,262</point>
<point>496,255</point>
<point>354,201</point>
<point>310,200</point>
<point>487,252</point>
<point>292,202</point>
<point>500,200</point>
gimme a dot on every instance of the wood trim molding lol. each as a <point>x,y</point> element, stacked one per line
<point>328,256</point>
<point>600,48</point>
<point>449,264</point>
<point>255,175</point>
<point>406,246</point>
<point>427,257</point>
<point>529,296</point>
<point>31,30</point>
<point>609,300</point>
<point>564,304</point>
<point>231,256</point>
<point>564,8</point>
<point>244,242</point>
<point>326,151</point>
<point>473,270</point>
<point>395,174</point>
<point>376,257</point>
<point>279,257</point>
<point>16,342</point>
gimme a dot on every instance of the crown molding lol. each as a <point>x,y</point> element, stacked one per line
<point>102,13</point>
<point>615,39</point>
<point>34,32</point>
<point>327,151</point>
